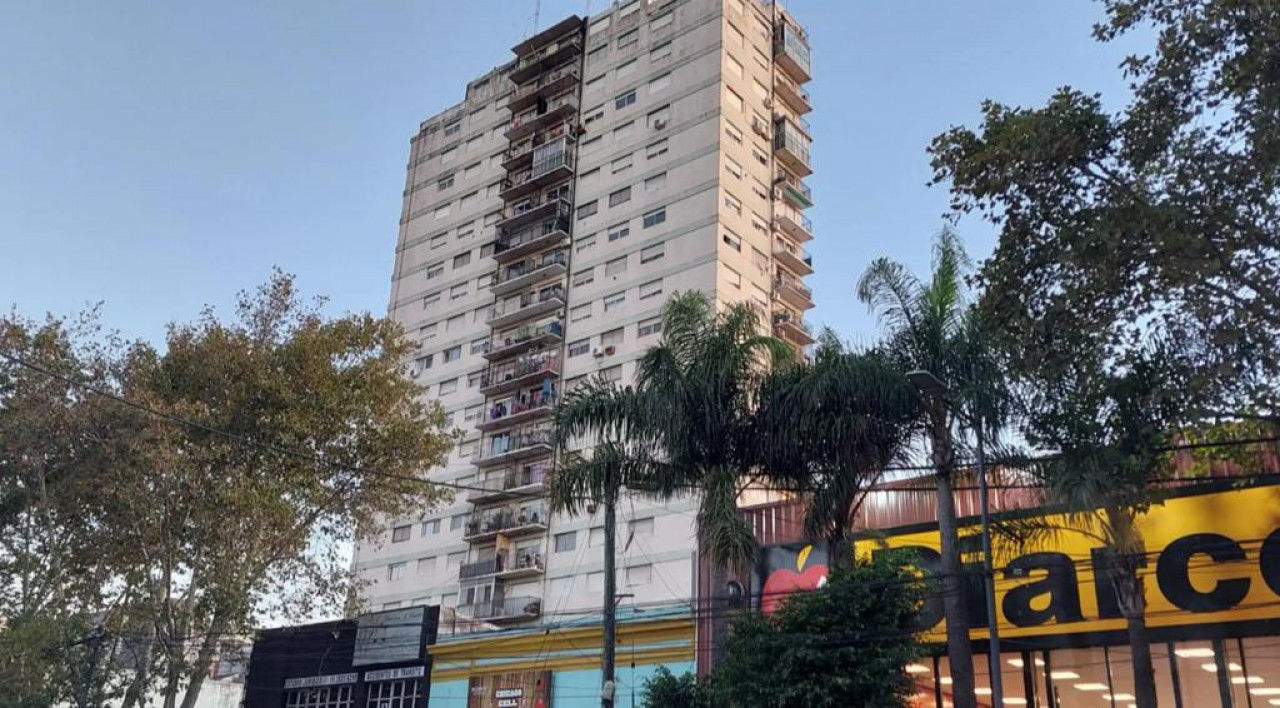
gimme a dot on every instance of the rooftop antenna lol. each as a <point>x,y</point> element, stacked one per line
<point>537,11</point>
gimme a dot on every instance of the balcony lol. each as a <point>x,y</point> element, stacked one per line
<point>793,258</point>
<point>526,371</point>
<point>551,163</point>
<point>530,272</point>
<point>525,339</point>
<point>521,154</point>
<point>792,328</point>
<point>791,147</point>
<point>791,222</point>
<point>519,215</point>
<point>793,191</point>
<point>547,85</point>
<point>536,59</point>
<point>519,410</point>
<point>556,111</point>
<point>790,290</point>
<point>510,247</point>
<point>512,609</point>
<point>526,482</point>
<point>510,522</point>
<point>515,445</point>
<point>530,305</point>
<point>791,51</point>
<point>791,93</point>
<point>501,568</point>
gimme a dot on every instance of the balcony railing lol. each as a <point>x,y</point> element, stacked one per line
<point>511,246</point>
<point>512,520</point>
<point>514,445</point>
<point>795,191</point>
<point>548,84</point>
<point>793,257</point>
<point>509,610</point>
<point>511,375</point>
<point>530,122</point>
<point>551,162</point>
<point>792,93</point>
<point>793,222</point>
<point>793,292</point>
<point>522,151</point>
<point>520,409</point>
<point>791,146</point>
<point>791,51</point>
<point>529,478</point>
<point>547,57</point>
<point>523,339</point>
<point>528,305</point>
<point>525,564</point>
<point>512,277</point>
<point>793,328</point>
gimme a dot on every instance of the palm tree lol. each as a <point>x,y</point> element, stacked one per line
<point>931,326</point>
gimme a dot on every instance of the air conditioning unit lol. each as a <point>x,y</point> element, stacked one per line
<point>659,124</point>
<point>597,352</point>
<point>609,350</point>
<point>417,345</point>
<point>768,102</point>
<point>414,373</point>
<point>760,127</point>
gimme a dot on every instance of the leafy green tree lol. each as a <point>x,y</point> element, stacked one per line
<point>1162,217</point>
<point>846,645</point>
<point>931,326</point>
<point>666,690</point>
<point>170,536</point>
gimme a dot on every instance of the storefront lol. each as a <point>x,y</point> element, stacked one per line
<point>375,661</point>
<point>1212,586</point>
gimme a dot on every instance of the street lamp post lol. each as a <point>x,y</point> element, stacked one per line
<point>930,385</point>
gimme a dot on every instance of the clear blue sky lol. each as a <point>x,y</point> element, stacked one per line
<point>162,155</point>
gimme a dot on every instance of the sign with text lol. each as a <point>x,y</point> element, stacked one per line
<point>526,689</point>
<point>389,637</point>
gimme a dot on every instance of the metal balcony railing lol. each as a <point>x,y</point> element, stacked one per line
<point>527,367</point>
<point>509,242</point>
<point>527,301</point>
<point>536,400</point>
<point>522,338</point>
<point>496,521</point>
<point>512,608</point>
<point>500,564</point>
<point>514,444</point>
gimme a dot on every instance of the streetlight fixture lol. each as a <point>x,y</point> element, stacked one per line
<point>929,385</point>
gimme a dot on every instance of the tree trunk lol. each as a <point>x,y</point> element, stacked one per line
<point>201,669</point>
<point>138,686</point>
<point>1133,606</point>
<point>959,650</point>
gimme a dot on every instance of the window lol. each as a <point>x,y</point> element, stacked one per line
<point>594,114</point>
<point>759,88</point>
<point>733,132</point>
<point>453,127</point>
<point>733,277</point>
<point>732,98</point>
<point>660,51</point>
<point>733,167</point>
<point>473,379</point>
<point>473,414</point>
<point>492,218</point>
<point>649,327</point>
<point>616,266</point>
<point>454,323</point>
<point>447,156</point>
<point>470,171</point>
<point>624,100</point>
<point>584,243</point>
<point>565,542</point>
<point>580,347</point>
<point>759,295</point>
<point>653,253</point>
<point>458,291</point>
<point>593,83</point>
<point>655,217</point>
<point>622,164</point>
<point>614,301</point>
<point>595,537</point>
<point>659,83</point>
<point>448,387</point>
<point>478,346</point>
<point>588,176</point>
<point>486,250</point>
<point>613,373</point>
<point>583,277</point>
<point>628,39</point>
<point>427,566</point>
<point>484,281</point>
<point>656,149</point>
<point>438,241</point>
<point>651,289</point>
<point>736,37</point>
<point>431,528</point>
<point>467,230</point>
<point>456,522</point>
<point>493,189</point>
<point>427,331</point>
<point>627,68</point>
<point>588,209</point>
<point>640,575</point>
<point>395,571</point>
<point>468,200</point>
<point>441,212</point>
<point>761,59</point>
<point>659,119</point>
<point>435,270</point>
<point>444,183</point>
<point>400,533</point>
<point>662,21</point>
<point>623,131</point>
<point>423,363</point>
<point>760,260</point>
<point>461,259</point>
<point>733,204</point>
<point>454,560</point>
<point>622,196</point>
<point>480,314</point>
<point>598,54</point>
<point>758,187</point>
<point>612,338</point>
<point>453,353</point>
<point>595,582</point>
<point>619,231</point>
<point>758,223</point>
<point>760,156</point>
<point>448,419</point>
<point>655,182</point>
<point>735,66</point>
<point>592,142</point>
<point>474,143</point>
<point>581,312</point>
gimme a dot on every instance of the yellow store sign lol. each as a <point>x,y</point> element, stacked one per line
<point>1211,558</point>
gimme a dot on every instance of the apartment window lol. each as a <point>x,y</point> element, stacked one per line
<point>612,338</point>
<point>441,212</point>
<point>659,118</point>
<point>656,149</point>
<point>655,182</point>
<point>595,537</point>
<point>456,522</point>
<point>484,281</point>
<point>624,100</point>
<point>584,277</point>
<point>444,183</point>
<point>733,204</point>
<point>493,189</point>
<point>594,114</point>
<point>612,374</point>
<point>473,379</point>
<point>593,83</point>
<point>431,528</point>
<point>448,387</point>
<point>588,176</point>
<point>758,222</point>
<point>759,88</point>
<point>733,132</point>
<point>652,253</point>
<point>454,560</point>
<point>640,575</point>
<point>649,327</point>
<point>400,533</point>
<point>395,571</point>
<point>439,240</point>
<point>473,413</point>
<point>733,167</point>
<point>467,230</point>
<point>733,277</point>
<point>470,171</point>
<point>478,345</point>
<point>474,143</point>
<point>622,164</point>
<point>458,291</point>
<point>658,83</point>
<point>732,98</point>
<point>736,38</point>
<point>427,331</point>
<point>623,131</point>
<point>480,314</point>
<point>468,449</point>
<point>619,231</point>
<point>448,419</point>
<point>759,295</point>
<point>453,324</point>
<point>461,259</point>
<point>732,241</point>
<point>453,127</point>
<point>486,250</point>
<point>468,200</point>
<point>453,353</point>
<point>655,217</point>
<point>492,218</point>
<point>627,68</point>
<point>592,142</point>
<point>595,582</point>
<point>588,209</point>
<point>628,39</point>
<point>760,156</point>
<point>584,243</point>
<point>651,289</point>
<point>616,266</point>
<point>435,270</point>
<point>662,21</point>
<point>758,187</point>
<point>660,51</point>
<point>760,260</point>
<point>622,196</point>
<point>614,301</point>
<point>581,312</point>
<point>448,155</point>
<point>427,566</point>
<point>580,347</point>
<point>598,54</point>
<point>735,66</point>
<point>565,542</point>
<point>423,363</point>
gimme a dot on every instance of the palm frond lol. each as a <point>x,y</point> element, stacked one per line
<point>892,292</point>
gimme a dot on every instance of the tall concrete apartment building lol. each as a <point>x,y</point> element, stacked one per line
<point>656,147</point>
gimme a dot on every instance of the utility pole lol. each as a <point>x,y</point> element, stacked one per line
<point>607,684</point>
<point>988,572</point>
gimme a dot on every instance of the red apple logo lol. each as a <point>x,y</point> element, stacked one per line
<point>784,581</point>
